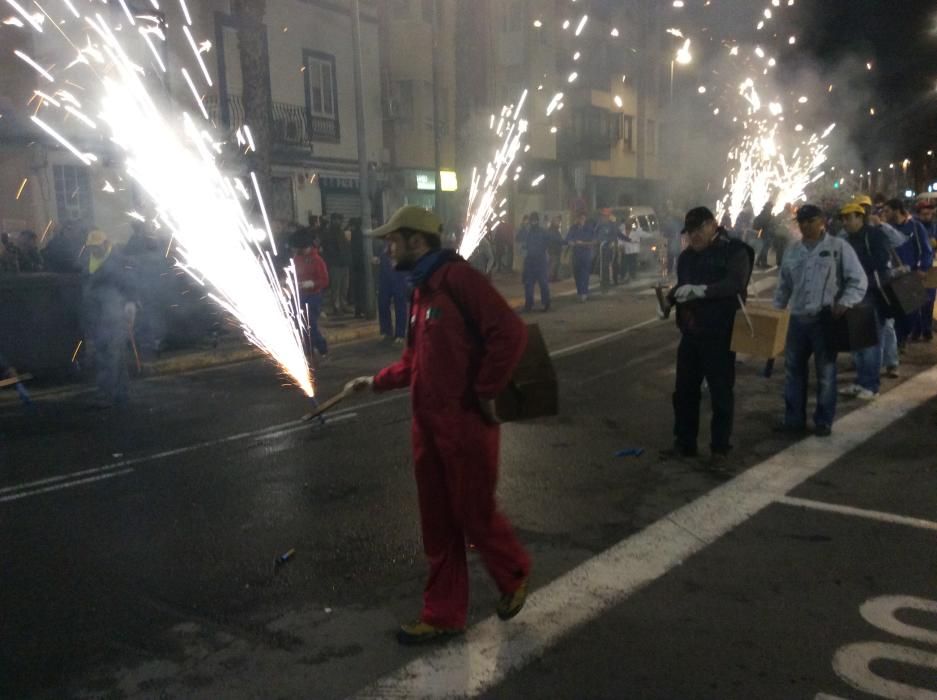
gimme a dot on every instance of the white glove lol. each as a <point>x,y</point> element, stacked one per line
<point>689,292</point>
<point>359,384</point>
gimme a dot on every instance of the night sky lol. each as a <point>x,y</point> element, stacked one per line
<point>900,37</point>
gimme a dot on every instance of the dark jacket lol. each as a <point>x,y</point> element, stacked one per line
<point>872,247</point>
<point>725,267</point>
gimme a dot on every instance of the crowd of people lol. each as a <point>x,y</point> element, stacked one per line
<point>839,270</point>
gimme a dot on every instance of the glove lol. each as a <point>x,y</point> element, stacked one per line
<point>359,384</point>
<point>689,292</point>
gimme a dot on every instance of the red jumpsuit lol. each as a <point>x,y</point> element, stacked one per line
<point>455,449</point>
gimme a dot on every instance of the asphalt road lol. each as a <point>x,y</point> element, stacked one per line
<point>138,546</point>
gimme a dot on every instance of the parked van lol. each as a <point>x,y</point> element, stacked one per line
<point>653,243</point>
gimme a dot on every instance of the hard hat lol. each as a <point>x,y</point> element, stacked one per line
<point>410,217</point>
<point>863,200</point>
<point>96,237</point>
<point>852,208</point>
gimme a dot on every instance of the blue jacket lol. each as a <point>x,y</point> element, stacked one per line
<point>815,278</point>
<point>916,253</point>
<point>581,234</point>
<point>535,241</point>
<point>872,248</point>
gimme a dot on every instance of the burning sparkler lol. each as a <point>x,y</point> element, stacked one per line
<point>173,157</point>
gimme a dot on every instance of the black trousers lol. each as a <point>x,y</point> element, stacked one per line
<point>704,357</point>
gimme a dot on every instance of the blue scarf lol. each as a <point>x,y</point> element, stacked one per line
<point>429,263</point>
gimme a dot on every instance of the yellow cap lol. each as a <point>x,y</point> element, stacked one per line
<point>96,237</point>
<point>852,208</point>
<point>862,199</point>
<point>410,217</point>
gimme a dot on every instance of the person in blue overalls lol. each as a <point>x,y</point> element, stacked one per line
<point>581,237</point>
<point>535,242</point>
<point>392,289</point>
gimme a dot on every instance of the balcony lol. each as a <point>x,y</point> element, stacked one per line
<point>291,125</point>
<point>590,134</point>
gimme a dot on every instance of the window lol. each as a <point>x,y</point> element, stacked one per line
<point>405,103</point>
<point>320,85</point>
<point>627,131</point>
<point>73,193</point>
<point>651,136</point>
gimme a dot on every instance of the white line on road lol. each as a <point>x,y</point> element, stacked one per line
<point>490,650</point>
<point>66,485</point>
<point>66,481</point>
<point>859,512</point>
<point>601,340</point>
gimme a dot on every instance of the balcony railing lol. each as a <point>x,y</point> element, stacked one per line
<point>292,125</point>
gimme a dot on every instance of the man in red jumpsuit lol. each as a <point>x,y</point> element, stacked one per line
<point>463,344</point>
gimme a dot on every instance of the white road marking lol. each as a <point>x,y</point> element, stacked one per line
<point>881,612</point>
<point>853,664</point>
<point>67,485</point>
<point>859,512</point>
<point>66,481</point>
<point>602,339</point>
<point>491,649</point>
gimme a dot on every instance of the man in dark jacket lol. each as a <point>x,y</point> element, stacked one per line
<point>712,279</point>
<point>535,241</point>
<point>336,249</point>
<point>872,248</point>
<point>454,373</point>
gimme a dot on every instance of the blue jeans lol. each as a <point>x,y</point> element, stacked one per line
<point>806,336</point>
<point>313,305</point>
<point>869,362</point>
<point>582,269</point>
<point>889,344</point>
<point>536,272</point>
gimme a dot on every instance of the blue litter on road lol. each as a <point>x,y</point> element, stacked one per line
<point>630,452</point>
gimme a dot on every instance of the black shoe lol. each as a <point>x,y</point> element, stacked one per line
<point>822,431</point>
<point>787,429</point>
<point>677,452</point>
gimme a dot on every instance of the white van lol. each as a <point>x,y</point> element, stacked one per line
<point>653,243</point>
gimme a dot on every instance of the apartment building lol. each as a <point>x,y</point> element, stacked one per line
<point>314,150</point>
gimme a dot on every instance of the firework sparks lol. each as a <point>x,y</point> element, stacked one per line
<point>172,157</point>
<point>484,207</point>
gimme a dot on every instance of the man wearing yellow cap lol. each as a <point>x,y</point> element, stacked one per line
<point>463,344</point>
<point>108,296</point>
<point>871,247</point>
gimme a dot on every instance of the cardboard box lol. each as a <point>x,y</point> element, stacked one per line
<point>930,279</point>
<point>770,331</point>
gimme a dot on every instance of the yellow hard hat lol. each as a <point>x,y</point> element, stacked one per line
<point>852,208</point>
<point>862,199</point>
<point>96,237</point>
<point>411,217</point>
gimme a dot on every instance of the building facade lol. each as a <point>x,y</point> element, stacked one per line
<point>418,81</point>
<point>314,148</point>
<point>599,146</point>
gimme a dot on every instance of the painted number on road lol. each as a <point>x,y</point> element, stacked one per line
<point>853,662</point>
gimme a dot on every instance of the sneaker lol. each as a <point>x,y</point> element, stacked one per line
<point>851,390</point>
<point>423,633</point>
<point>511,603</point>
<point>399,341</point>
<point>582,298</point>
<point>866,394</point>
<point>822,431</point>
<point>891,372</point>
